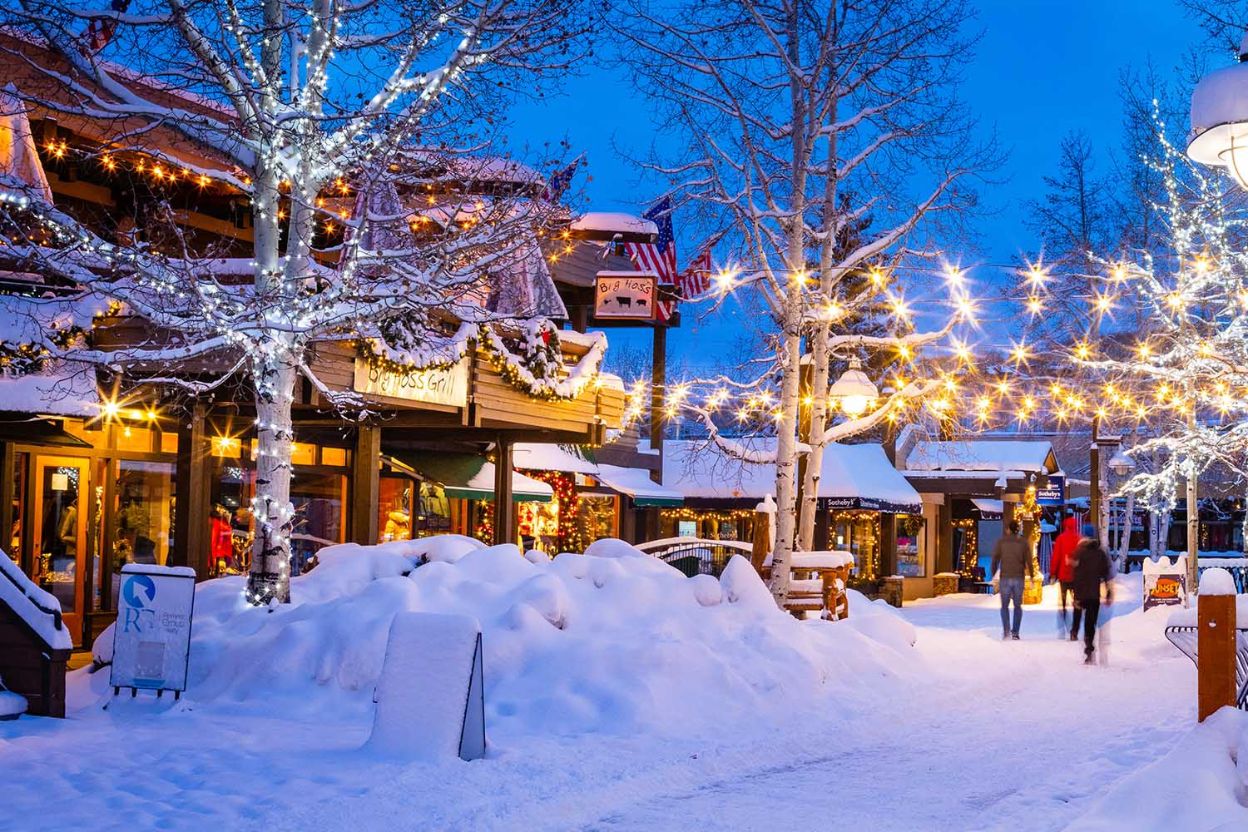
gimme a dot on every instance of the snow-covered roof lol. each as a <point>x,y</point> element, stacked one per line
<point>57,391</point>
<point>854,476</point>
<point>19,159</point>
<point>611,221</point>
<point>546,456</point>
<point>39,609</point>
<point>992,455</point>
<point>471,477</point>
<point>636,483</point>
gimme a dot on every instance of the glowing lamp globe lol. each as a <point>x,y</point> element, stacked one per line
<point>853,390</point>
<point>1121,464</point>
<point>1219,135</point>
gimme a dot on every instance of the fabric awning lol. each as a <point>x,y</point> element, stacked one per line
<point>636,483</point>
<point>471,477</point>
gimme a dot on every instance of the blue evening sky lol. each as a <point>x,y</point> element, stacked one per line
<point>1041,69</point>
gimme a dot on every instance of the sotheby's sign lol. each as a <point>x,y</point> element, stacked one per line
<point>152,636</point>
<point>434,385</point>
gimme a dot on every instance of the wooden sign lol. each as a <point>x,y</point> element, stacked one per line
<point>436,385</point>
<point>625,295</point>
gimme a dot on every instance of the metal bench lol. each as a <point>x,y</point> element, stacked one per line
<point>1185,639</point>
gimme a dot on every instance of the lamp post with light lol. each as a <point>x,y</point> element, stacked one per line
<point>1219,138</point>
<point>853,392</point>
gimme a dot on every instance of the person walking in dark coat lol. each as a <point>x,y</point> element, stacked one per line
<point>1012,555</point>
<point>1092,569</point>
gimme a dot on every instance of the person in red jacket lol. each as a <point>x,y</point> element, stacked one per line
<point>1062,567</point>
<point>221,540</point>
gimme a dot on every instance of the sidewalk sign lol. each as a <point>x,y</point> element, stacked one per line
<point>152,635</point>
<point>1165,582</point>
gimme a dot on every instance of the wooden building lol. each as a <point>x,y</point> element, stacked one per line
<point>97,470</point>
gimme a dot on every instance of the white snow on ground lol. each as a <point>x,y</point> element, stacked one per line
<point>619,696</point>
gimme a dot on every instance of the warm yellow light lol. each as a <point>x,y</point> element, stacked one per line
<point>1144,350</point>
<point>1020,353</point>
<point>1118,272</point>
<point>725,279</point>
<point>1083,352</point>
<point>1035,305</point>
<point>1036,275</point>
<point>1103,302</point>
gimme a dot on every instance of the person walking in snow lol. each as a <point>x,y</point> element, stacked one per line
<point>1062,570</point>
<point>1092,568</point>
<point>1012,555</point>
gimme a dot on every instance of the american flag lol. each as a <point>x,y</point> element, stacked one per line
<point>660,256</point>
<point>696,278</point>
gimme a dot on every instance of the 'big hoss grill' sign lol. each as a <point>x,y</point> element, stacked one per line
<point>628,295</point>
<point>435,385</point>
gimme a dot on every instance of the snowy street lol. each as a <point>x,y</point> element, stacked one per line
<point>974,733</point>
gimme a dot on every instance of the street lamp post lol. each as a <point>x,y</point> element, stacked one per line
<point>1219,138</point>
<point>1098,487</point>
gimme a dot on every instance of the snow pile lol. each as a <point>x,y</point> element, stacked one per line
<point>609,641</point>
<point>1199,785</point>
<point>12,705</point>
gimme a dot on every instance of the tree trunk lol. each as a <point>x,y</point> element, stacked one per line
<point>786,458</point>
<point>272,512</point>
<point>1124,537</point>
<point>818,430</point>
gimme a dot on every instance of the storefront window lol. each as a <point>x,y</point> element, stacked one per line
<point>144,509</point>
<point>910,556</point>
<point>434,512</point>
<point>858,532</point>
<point>394,508</point>
<point>230,533</point>
<point>710,524</point>
<point>319,500</point>
<point>13,540</point>
<point>597,517</point>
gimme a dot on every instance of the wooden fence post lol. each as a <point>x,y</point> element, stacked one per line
<point>1215,652</point>
<point>762,539</point>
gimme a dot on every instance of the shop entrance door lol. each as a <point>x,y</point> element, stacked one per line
<point>60,533</point>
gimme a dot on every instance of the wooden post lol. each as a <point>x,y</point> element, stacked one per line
<point>658,381</point>
<point>365,484</point>
<point>944,537</point>
<point>762,540</point>
<point>1094,478</point>
<point>1215,653</point>
<point>8,482</point>
<point>504,508</point>
<point>888,543</point>
<point>192,508</point>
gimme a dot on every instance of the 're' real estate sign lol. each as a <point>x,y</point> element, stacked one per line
<point>152,636</point>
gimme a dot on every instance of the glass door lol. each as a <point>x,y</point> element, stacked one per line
<point>60,533</point>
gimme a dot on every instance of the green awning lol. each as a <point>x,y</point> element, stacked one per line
<point>471,477</point>
<point>636,483</point>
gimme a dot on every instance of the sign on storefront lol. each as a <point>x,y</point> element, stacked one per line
<point>1054,494</point>
<point>435,385</point>
<point>1165,582</point>
<point>152,636</point>
<point>624,295</point>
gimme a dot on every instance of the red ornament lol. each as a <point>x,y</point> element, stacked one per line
<point>545,336</point>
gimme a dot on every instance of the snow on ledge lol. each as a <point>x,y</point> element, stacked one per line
<point>1216,581</point>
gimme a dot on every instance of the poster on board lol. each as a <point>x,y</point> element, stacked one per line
<point>625,295</point>
<point>1165,582</point>
<point>152,636</point>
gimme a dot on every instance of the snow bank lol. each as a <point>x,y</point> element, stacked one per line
<point>12,705</point>
<point>1197,786</point>
<point>582,643</point>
